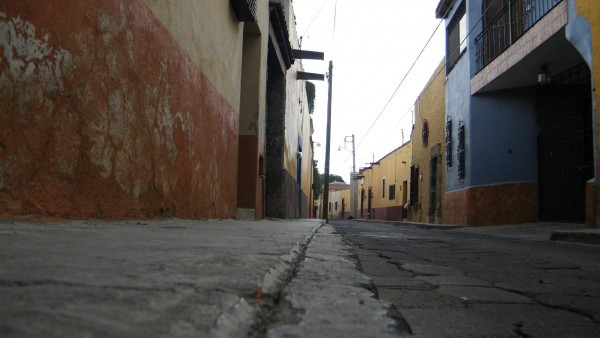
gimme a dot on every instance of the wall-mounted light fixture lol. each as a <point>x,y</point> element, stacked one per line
<point>544,75</point>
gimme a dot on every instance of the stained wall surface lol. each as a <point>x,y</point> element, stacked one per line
<point>121,110</point>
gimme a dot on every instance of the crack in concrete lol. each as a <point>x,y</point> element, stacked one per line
<point>252,317</point>
<point>550,306</point>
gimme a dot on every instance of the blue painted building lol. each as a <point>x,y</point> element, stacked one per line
<point>519,141</point>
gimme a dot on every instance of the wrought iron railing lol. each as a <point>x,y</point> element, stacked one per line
<point>516,18</point>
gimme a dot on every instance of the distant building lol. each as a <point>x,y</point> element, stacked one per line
<point>428,164</point>
<point>384,187</point>
<point>520,110</point>
<point>339,200</point>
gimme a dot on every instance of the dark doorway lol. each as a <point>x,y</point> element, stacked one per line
<point>565,145</point>
<point>362,203</point>
<point>369,210</point>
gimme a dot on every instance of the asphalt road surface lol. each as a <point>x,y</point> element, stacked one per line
<point>456,283</point>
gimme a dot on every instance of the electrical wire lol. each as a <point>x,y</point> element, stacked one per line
<point>457,49</point>
<point>404,78</point>
<point>315,17</point>
<point>334,19</point>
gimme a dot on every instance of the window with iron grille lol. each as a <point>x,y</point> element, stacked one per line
<point>392,193</point>
<point>434,183</point>
<point>449,143</point>
<point>460,151</point>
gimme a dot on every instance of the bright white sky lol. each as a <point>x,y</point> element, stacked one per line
<point>373,46</point>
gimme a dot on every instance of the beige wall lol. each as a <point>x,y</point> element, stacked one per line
<point>254,74</point>
<point>212,36</point>
<point>297,117</point>
<point>342,198</point>
<point>430,106</point>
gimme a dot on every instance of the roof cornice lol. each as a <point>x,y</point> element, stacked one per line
<point>441,12</point>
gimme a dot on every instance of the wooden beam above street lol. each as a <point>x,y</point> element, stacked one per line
<point>308,54</point>
<point>310,76</point>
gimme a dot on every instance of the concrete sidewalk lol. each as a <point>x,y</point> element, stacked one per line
<point>182,278</point>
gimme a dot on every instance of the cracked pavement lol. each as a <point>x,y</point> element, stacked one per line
<point>183,278</point>
<point>158,278</point>
<point>451,283</point>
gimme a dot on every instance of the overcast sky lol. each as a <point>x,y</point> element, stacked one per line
<point>373,45</point>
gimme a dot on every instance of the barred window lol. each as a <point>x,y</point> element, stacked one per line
<point>460,152</point>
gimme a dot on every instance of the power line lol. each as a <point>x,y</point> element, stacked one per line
<point>394,127</point>
<point>404,78</point>
<point>334,19</point>
<point>315,17</point>
<point>457,49</point>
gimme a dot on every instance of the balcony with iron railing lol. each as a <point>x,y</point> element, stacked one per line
<point>516,18</point>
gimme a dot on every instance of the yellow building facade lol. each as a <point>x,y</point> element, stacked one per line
<point>383,190</point>
<point>428,166</point>
<point>591,11</point>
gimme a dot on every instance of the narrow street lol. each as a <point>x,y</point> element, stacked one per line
<point>468,282</point>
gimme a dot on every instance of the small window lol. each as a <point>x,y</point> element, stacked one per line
<point>392,192</point>
<point>462,33</point>
<point>336,206</point>
<point>383,188</point>
<point>455,34</point>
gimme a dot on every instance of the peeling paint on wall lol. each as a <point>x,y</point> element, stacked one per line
<point>106,116</point>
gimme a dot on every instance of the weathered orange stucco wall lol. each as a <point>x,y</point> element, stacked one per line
<point>103,114</point>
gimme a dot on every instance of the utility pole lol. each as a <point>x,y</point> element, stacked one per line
<point>354,177</point>
<point>325,208</point>
<point>354,181</point>
<point>353,156</point>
